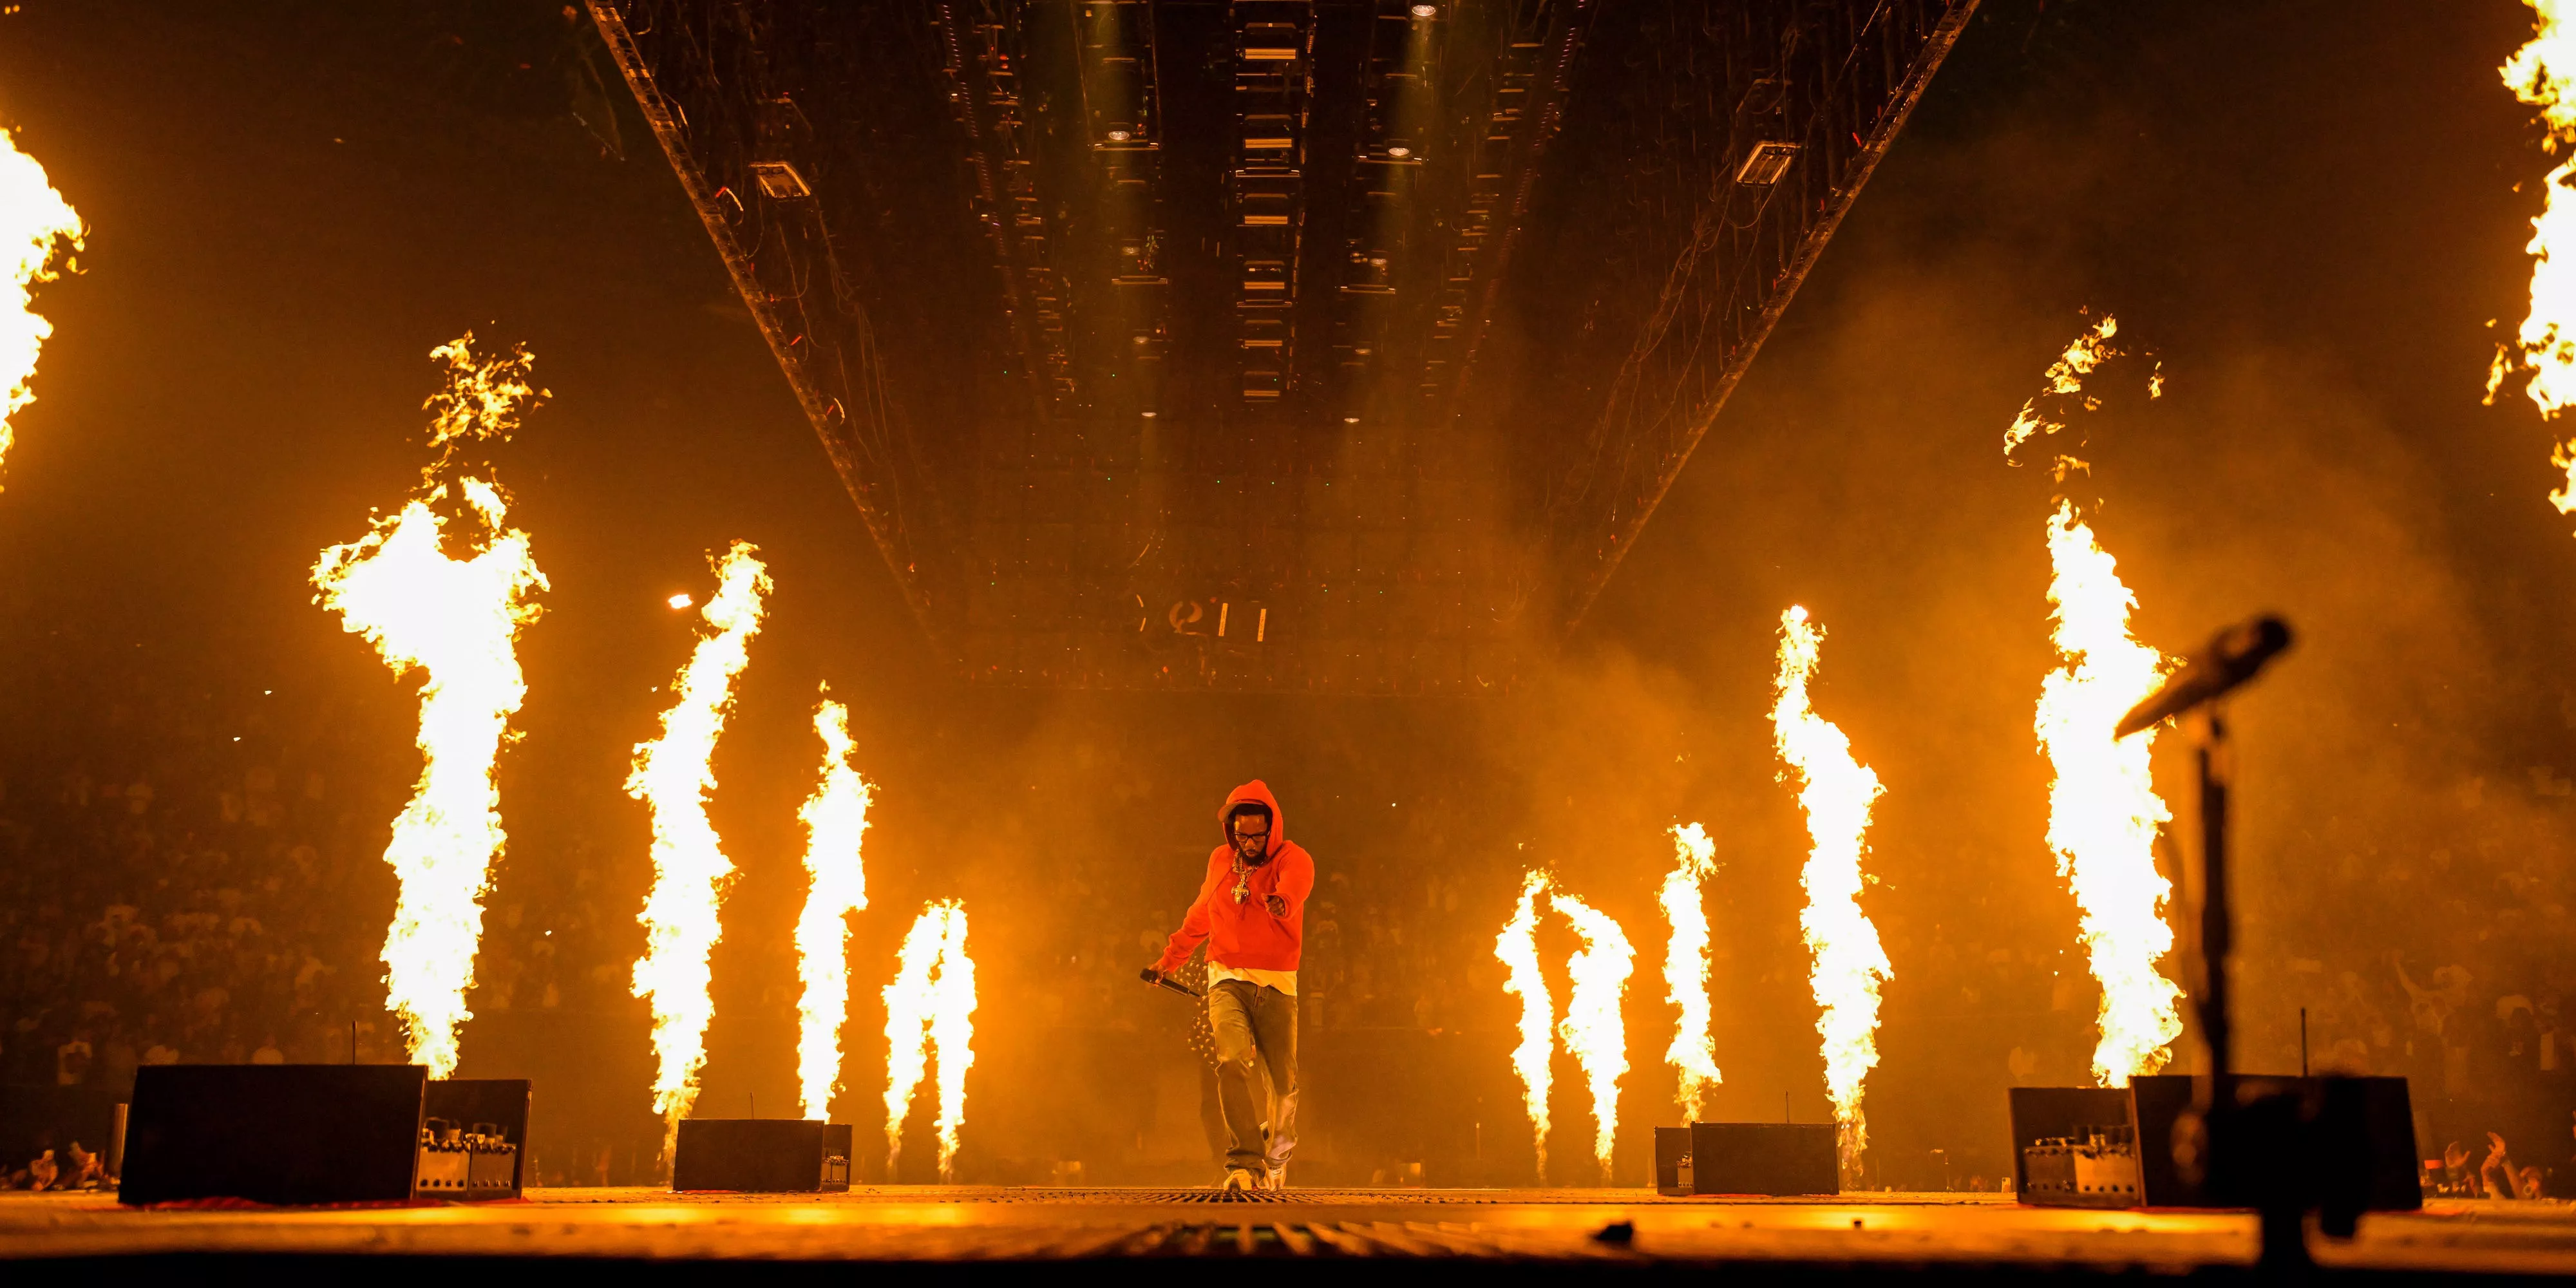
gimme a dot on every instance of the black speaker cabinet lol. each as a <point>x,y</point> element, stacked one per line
<point>2354,1138</point>
<point>279,1133</point>
<point>771,1155</point>
<point>1761,1158</point>
<point>2349,1141</point>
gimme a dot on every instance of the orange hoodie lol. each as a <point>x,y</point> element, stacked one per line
<point>1244,935</point>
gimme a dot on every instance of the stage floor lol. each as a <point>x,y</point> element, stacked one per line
<point>1532,1227</point>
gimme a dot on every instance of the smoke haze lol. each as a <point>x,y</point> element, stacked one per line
<point>2308,212</point>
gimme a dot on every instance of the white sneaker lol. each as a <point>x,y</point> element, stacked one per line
<point>1276,1178</point>
<point>1240,1180</point>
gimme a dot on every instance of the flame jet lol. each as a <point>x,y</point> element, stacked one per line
<point>1837,792</point>
<point>930,1007</point>
<point>836,820</point>
<point>35,224</point>
<point>2103,811</point>
<point>672,775</point>
<point>1517,949</point>
<point>2542,74</point>
<point>457,620</point>
<point>1592,1027</point>
<point>952,1033</point>
<point>1693,1052</point>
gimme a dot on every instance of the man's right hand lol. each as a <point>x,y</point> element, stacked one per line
<point>1153,978</point>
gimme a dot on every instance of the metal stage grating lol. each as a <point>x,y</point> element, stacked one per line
<point>1146,1196</point>
<point>1532,1229</point>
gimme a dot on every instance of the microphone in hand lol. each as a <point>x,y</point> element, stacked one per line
<point>1157,979</point>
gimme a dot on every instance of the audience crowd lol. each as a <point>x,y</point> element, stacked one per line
<point>2474,1010</point>
<point>172,888</point>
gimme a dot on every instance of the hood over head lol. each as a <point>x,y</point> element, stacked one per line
<point>1255,792</point>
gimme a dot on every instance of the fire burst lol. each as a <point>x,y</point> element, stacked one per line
<point>2065,377</point>
<point>1517,948</point>
<point>1693,1052</point>
<point>458,621</point>
<point>930,1008</point>
<point>35,222</point>
<point>672,775</point>
<point>836,820</point>
<point>1592,1027</point>
<point>2542,73</point>
<point>1849,963</point>
<point>2103,811</point>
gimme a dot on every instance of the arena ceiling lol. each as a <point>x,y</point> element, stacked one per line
<point>1327,345</point>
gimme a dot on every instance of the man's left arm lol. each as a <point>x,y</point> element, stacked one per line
<point>1296,881</point>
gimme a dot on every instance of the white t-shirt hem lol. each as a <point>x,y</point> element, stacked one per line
<point>1283,980</point>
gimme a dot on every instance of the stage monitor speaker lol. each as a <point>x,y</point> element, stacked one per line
<point>278,1133</point>
<point>2075,1147</point>
<point>761,1155</point>
<point>2347,1143</point>
<point>2353,1140</point>
<point>474,1139</point>
<point>1764,1158</point>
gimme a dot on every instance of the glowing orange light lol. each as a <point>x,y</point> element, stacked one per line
<point>35,224</point>
<point>2541,73</point>
<point>1592,1027</point>
<point>1517,949</point>
<point>673,775</point>
<point>1693,1053</point>
<point>930,1008</point>
<point>2103,811</point>
<point>836,821</point>
<point>457,621</point>
<point>1836,792</point>
<point>2065,377</point>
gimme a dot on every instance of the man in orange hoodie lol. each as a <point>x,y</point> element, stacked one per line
<point>1251,910</point>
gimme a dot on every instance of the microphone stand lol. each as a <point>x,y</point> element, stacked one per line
<point>2259,1151</point>
<point>2236,1151</point>
<point>2217,919</point>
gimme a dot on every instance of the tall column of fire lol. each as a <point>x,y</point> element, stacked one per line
<point>930,1009</point>
<point>836,821</point>
<point>2103,811</point>
<point>36,224</point>
<point>2543,73</point>
<point>1836,792</point>
<point>1693,1053</point>
<point>1592,1028</point>
<point>1517,949</point>
<point>456,620</point>
<point>672,775</point>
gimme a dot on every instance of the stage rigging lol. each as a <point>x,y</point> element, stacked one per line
<point>1328,345</point>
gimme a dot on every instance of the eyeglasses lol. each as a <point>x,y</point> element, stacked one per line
<point>1262,835</point>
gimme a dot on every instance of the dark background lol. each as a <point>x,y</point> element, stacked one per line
<point>2311,212</point>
